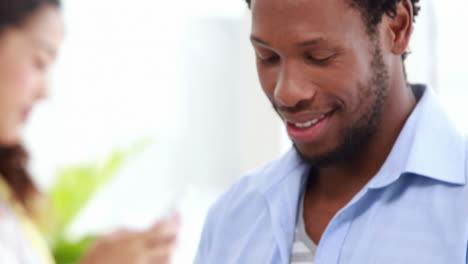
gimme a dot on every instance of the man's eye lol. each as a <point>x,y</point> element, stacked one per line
<point>269,60</point>
<point>317,60</point>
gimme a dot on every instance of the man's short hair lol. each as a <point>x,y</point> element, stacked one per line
<point>373,10</point>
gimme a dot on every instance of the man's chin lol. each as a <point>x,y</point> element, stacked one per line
<point>319,160</point>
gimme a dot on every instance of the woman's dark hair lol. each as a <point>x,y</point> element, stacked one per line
<point>13,159</point>
<point>15,12</point>
<point>13,163</point>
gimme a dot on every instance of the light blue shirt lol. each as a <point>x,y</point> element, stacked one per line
<point>413,211</point>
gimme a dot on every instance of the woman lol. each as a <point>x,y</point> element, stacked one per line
<point>30,34</point>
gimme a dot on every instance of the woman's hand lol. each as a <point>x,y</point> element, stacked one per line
<point>154,246</point>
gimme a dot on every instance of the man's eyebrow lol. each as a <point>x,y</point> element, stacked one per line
<point>311,42</point>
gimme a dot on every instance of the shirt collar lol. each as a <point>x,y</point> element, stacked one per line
<point>429,145</point>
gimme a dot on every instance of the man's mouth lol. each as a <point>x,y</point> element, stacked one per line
<point>310,129</point>
<point>309,123</point>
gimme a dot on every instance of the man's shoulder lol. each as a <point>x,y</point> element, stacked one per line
<point>253,183</point>
<point>243,213</point>
<point>251,189</point>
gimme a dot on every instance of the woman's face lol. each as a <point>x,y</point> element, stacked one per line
<point>26,53</point>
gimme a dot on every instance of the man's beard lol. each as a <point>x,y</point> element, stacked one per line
<point>355,138</point>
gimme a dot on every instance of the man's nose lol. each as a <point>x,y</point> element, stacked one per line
<point>293,87</point>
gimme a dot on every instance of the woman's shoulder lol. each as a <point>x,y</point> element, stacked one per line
<point>11,246</point>
<point>18,237</point>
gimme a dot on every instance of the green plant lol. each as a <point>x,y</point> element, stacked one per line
<point>75,186</point>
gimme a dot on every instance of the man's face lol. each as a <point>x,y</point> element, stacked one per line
<point>323,73</point>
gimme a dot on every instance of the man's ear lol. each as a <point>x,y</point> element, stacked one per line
<point>400,27</point>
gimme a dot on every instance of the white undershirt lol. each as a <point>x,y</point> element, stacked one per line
<point>303,249</point>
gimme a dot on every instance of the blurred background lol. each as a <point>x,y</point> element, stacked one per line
<point>182,73</point>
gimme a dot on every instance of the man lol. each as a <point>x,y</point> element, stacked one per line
<point>377,173</point>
